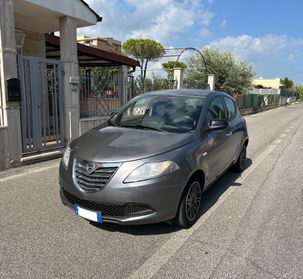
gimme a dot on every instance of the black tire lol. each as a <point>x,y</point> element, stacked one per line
<point>239,166</point>
<point>190,204</point>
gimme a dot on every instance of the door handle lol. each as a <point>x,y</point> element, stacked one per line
<point>228,134</point>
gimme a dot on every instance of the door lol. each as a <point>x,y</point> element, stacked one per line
<point>42,103</point>
<point>234,131</point>
<point>216,158</point>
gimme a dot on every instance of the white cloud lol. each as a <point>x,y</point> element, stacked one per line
<point>246,46</point>
<point>223,23</point>
<point>204,32</point>
<point>158,19</point>
<point>272,55</point>
<point>291,57</point>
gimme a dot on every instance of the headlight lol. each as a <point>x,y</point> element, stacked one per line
<point>151,170</point>
<point>66,155</point>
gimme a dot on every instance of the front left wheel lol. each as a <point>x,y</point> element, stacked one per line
<point>190,205</point>
<point>239,166</point>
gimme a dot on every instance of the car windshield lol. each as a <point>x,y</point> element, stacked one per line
<point>177,114</point>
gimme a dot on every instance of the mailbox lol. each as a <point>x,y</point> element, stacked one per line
<point>13,90</point>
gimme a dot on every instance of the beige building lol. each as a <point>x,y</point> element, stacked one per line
<point>275,83</point>
<point>41,86</point>
<point>107,44</point>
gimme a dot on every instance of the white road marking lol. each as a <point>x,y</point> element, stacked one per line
<point>153,264</point>
<point>29,172</point>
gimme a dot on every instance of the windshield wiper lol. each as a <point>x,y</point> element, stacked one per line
<point>139,126</point>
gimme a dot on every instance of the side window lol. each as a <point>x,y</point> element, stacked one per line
<point>231,108</point>
<point>216,110</point>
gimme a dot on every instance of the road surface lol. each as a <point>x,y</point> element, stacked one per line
<point>251,226</point>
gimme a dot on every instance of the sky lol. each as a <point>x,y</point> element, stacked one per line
<point>266,33</point>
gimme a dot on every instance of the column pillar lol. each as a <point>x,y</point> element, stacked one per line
<point>178,77</point>
<point>71,78</point>
<point>211,82</point>
<point>8,69</point>
<point>122,84</point>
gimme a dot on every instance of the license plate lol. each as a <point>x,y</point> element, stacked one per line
<point>87,214</point>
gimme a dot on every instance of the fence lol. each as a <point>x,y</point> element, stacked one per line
<point>255,100</point>
<point>266,98</point>
<point>136,86</point>
<point>99,92</point>
<point>262,91</point>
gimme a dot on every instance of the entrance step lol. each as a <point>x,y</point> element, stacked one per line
<point>36,158</point>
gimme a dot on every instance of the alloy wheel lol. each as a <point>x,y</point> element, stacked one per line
<point>193,201</point>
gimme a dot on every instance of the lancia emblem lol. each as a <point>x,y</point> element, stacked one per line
<point>91,167</point>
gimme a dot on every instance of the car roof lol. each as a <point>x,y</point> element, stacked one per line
<point>186,92</point>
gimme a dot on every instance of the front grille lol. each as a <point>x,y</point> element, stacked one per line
<point>110,210</point>
<point>92,177</point>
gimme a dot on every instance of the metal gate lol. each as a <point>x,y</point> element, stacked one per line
<point>99,94</point>
<point>42,103</point>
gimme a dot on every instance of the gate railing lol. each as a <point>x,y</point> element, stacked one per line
<point>42,103</point>
<point>137,87</point>
<point>99,92</point>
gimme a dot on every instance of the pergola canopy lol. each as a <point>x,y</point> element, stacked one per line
<point>88,56</point>
<point>43,16</point>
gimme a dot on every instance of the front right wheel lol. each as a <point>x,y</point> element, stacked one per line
<point>190,205</point>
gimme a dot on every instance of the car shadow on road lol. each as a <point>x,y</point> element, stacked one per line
<point>210,197</point>
<point>213,193</point>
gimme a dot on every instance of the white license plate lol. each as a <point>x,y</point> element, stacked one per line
<point>87,214</point>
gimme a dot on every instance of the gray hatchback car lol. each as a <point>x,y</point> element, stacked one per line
<point>153,159</point>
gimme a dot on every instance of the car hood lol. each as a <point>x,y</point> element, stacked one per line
<point>116,144</point>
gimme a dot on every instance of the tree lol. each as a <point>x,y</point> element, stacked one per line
<point>144,50</point>
<point>287,83</point>
<point>299,90</point>
<point>169,67</point>
<point>232,75</point>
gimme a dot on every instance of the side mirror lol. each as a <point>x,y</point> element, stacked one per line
<point>218,124</point>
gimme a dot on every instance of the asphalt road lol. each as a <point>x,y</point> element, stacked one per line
<point>251,226</point>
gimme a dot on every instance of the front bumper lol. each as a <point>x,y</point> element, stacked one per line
<point>152,201</point>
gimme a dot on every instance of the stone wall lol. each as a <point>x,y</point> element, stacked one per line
<point>87,124</point>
